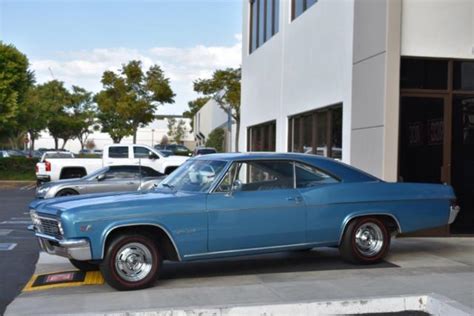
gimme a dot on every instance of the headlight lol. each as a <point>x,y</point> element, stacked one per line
<point>34,218</point>
<point>42,190</point>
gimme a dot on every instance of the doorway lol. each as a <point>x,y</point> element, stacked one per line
<point>436,143</point>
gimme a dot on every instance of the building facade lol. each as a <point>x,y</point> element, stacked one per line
<point>210,117</point>
<point>384,85</point>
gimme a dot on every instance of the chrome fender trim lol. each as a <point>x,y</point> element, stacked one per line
<point>139,224</point>
<point>351,217</point>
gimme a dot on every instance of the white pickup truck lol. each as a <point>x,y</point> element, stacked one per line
<point>57,168</point>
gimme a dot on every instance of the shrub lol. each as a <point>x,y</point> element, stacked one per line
<point>216,139</point>
<point>17,168</point>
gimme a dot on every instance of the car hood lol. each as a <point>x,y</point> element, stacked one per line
<point>176,159</point>
<point>56,206</point>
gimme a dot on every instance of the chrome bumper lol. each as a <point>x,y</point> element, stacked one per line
<point>453,213</point>
<point>78,249</point>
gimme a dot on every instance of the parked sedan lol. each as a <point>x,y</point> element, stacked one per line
<point>227,205</point>
<point>107,179</point>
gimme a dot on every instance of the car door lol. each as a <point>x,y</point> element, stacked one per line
<point>118,155</point>
<point>256,206</point>
<point>117,179</point>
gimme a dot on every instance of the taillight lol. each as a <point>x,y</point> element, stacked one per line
<point>36,168</point>
<point>47,165</point>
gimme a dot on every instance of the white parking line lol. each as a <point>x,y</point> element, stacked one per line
<point>7,246</point>
<point>28,187</point>
<point>4,232</point>
<point>15,222</point>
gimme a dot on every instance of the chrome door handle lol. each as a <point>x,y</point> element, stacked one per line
<point>296,199</point>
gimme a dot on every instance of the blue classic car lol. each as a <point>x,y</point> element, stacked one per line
<point>225,205</point>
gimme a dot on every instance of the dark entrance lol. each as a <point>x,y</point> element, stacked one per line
<point>437,129</point>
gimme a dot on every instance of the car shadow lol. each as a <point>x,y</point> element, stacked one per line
<point>322,259</point>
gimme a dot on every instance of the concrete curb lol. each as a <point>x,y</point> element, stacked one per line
<point>433,304</point>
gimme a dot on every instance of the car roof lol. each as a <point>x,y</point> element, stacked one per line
<point>336,168</point>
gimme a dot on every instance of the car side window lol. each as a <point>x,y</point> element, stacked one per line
<point>259,175</point>
<point>149,172</point>
<point>141,152</point>
<point>122,172</point>
<point>309,176</point>
<point>118,152</point>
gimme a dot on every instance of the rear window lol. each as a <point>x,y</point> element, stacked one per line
<point>118,152</point>
<point>308,176</point>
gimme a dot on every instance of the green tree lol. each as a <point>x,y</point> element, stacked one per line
<point>176,129</point>
<point>216,139</point>
<point>194,107</point>
<point>83,113</point>
<point>224,87</point>
<point>130,99</point>
<point>15,80</point>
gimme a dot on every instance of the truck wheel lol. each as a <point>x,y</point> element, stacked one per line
<point>84,265</point>
<point>66,192</point>
<point>131,262</point>
<point>366,240</point>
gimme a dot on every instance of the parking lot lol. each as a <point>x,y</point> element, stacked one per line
<point>444,266</point>
<point>19,251</point>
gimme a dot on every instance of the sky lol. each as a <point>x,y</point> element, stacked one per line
<point>76,41</point>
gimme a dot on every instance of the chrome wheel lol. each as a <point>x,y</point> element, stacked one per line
<point>369,239</point>
<point>133,262</point>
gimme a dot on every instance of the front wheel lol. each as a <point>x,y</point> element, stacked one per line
<point>131,262</point>
<point>366,240</point>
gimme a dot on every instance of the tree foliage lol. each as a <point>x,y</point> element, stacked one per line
<point>176,129</point>
<point>15,80</point>
<point>194,107</point>
<point>224,87</point>
<point>130,98</point>
<point>216,139</point>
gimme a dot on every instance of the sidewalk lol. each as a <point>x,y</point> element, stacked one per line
<point>416,266</point>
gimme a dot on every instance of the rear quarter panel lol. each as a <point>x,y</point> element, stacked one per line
<point>414,206</point>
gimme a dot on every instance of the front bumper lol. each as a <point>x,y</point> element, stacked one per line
<point>78,249</point>
<point>453,213</point>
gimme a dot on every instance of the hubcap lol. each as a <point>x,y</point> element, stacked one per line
<point>369,239</point>
<point>133,262</point>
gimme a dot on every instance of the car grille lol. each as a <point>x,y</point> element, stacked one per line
<point>50,227</point>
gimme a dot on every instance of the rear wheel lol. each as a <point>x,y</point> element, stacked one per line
<point>84,265</point>
<point>366,240</point>
<point>131,262</point>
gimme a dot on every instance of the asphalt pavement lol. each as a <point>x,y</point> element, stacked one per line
<point>18,247</point>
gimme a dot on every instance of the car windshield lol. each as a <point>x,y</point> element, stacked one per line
<point>95,174</point>
<point>194,176</point>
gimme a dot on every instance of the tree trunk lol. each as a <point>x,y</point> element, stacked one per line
<point>56,141</point>
<point>135,135</point>
<point>237,132</point>
<point>64,144</point>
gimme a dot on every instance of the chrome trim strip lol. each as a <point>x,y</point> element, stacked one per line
<point>256,249</point>
<point>348,219</point>
<point>140,224</point>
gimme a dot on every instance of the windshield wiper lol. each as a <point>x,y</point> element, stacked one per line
<point>170,186</point>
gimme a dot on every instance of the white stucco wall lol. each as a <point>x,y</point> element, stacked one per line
<point>299,69</point>
<point>438,28</point>
<point>208,118</point>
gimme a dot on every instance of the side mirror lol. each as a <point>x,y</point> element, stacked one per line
<point>152,156</point>
<point>236,186</point>
<point>101,177</point>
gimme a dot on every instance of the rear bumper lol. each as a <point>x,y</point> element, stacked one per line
<point>78,249</point>
<point>42,178</point>
<point>453,213</point>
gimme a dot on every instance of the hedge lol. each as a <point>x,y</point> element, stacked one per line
<point>17,168</point>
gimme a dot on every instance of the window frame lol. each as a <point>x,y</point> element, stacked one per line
<point>329,110</point>
<point>269,131</point>
<point>255,14</point>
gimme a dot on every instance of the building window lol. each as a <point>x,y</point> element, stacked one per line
<point>317,132</point>
<point>300,6</point>
<point>262,137</point>
<point>264,21</point>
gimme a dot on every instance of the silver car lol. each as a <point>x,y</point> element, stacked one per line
<point>107,179</point>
